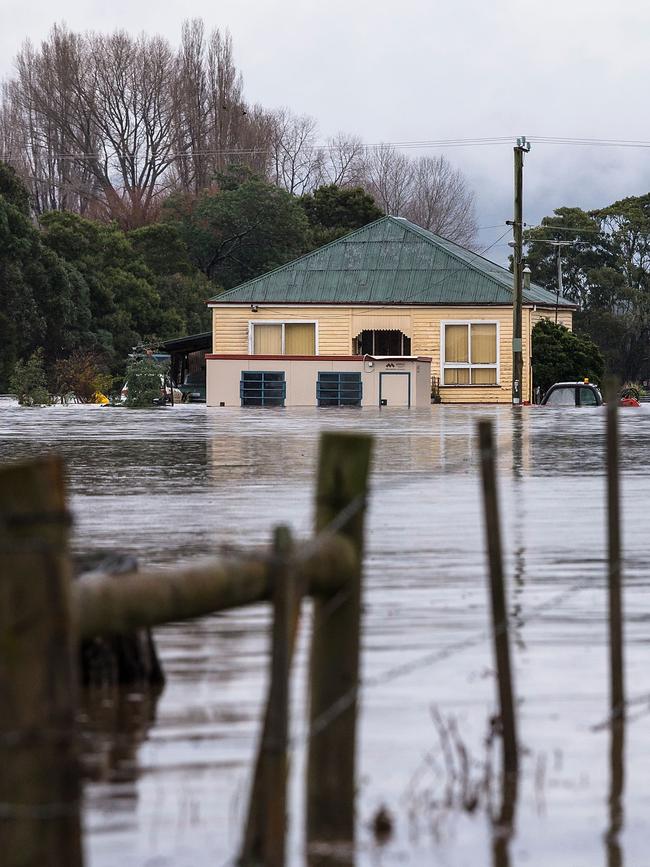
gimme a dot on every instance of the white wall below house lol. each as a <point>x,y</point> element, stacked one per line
<point>301,376</point>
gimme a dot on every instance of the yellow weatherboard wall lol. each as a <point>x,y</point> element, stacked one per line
<point>338,325</point>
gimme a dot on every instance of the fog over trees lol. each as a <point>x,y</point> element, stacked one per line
<point>110,125</point>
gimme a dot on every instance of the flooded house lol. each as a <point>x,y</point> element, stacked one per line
<point>386,315</point>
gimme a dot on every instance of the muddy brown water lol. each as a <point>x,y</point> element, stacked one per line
<point>169,775</point>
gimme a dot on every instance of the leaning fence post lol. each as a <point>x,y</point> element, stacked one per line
<point>342,485</point>
<point>498,597</point>
<point>39,774</point>
<point>265,831</point>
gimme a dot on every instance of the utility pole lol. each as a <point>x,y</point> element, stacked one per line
<point>520,149</point>
<point>558,246</point>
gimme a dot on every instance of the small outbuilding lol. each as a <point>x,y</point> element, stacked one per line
<point>390,299</point>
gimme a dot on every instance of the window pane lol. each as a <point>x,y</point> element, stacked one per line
<point>456,343</point>
<point>562,397</point>
<point>456,376</point>
<point>484,344</point>
<point>484,376</point>
<point>267,339</point>
<point>299,339</point>
<point>587,397</point>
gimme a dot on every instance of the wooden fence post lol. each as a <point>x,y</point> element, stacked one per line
<point>498,597</point>
<point>343,470</point>
<point>617,681</point>
<point>265,831</point>
<point>615,604</point>
<point>39,778</point>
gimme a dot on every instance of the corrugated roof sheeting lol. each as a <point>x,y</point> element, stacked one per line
<point>390,261</point>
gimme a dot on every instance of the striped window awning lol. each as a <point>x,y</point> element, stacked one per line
<point>375,321</point>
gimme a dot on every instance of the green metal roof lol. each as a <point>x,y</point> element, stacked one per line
<point>390,261</point>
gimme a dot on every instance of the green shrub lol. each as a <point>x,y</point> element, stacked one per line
<point>28,381</point>
<point>560,355</point>
<point>143,381</point>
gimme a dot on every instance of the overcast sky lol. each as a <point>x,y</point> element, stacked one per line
<point>420,70</point>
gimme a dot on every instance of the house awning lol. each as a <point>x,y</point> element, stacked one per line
<point>376,321</point>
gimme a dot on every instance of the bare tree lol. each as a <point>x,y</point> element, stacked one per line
<point>388,177</point>
<point>296,161</point>
<point>342,162</point>
<point>441,201</point>
<point>51,160</point>
<point>427,190</point>
<point>127,105</point>
<point>191,106</point>
<point>214,127</point>
<point>96,122</point>
<point>107,123</point>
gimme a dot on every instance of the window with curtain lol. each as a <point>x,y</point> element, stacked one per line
<point>267,340</point>
<point>299,338</point>
<point>470,353</point>
<point>284,338</point>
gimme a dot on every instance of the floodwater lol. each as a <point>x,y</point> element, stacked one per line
<point>170,774</point>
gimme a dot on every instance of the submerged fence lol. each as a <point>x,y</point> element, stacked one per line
<point>44,614</point>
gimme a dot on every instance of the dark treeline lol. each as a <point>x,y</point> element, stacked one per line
<point>606,271</point>
<point>71,284</point>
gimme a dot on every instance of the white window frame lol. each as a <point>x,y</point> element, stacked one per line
<point>468,364</point>
<point>253,322</point>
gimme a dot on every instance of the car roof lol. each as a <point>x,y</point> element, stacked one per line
<point>573,384</point>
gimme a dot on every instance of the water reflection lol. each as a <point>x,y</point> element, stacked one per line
<point>503,826</point>
<point>114,723</point>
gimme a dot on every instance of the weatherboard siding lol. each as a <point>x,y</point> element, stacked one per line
<point>422,324</point>
<point>564,317</point>
<point>231,325</point>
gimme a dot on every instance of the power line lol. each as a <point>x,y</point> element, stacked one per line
<point>329,147</point>
<point>496,243</point>
<point>423,144</point>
